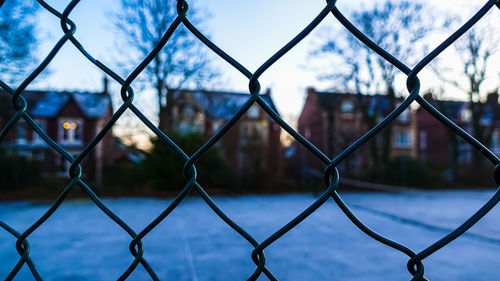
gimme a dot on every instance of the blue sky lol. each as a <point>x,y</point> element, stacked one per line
<point>251,31</point>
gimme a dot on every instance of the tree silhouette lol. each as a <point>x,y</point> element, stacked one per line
<point>182,61</point>
<point>17,39</point>
<point>396,26</point>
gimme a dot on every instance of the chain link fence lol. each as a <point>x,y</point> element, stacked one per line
<point>331,177</point>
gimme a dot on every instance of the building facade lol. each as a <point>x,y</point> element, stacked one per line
<point>439,147</point>
<point>71,119</point>
<point>332,121</point>
<point>251,148</point>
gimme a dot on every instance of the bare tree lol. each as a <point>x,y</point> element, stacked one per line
<point>396,26</point>
<point>17,39</point>
<point>142,23</point>
<point>475,51</point>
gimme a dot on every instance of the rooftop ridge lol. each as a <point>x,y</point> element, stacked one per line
<point>224,92</point>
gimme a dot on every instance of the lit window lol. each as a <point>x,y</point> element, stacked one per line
<point>403,138</point>
<point>70,131</point>
<point>253,112</point>
<point>347,106</point>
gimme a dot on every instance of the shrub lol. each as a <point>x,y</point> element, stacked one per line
<point>125,175</point>
<point>164,167</point>
<point>17,171</point>
<point>405,170</point>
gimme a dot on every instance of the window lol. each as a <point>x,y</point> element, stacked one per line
<point>422,140</point>
<point>70,131</point>
<point>188,110</point>
<point>403,138</point>
<point>464,152</point>
<point>253,112</point>
<point>466,115</point>
<point>404,116</point>
<point>39,155</point>
<point>347,106</point>
<point>307,133</point>
<point>64,166</point>
<point>487,119</point>
<point>495,138</point>
<point>216,125</point>
<point>253,132</point>
<point>21,132</point>
<point>25,153</point>
<point>244,130</point>
<point>42,124</point>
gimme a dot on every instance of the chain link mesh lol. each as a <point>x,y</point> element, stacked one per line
<point>331,176</point>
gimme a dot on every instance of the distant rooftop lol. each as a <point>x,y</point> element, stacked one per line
<point>379,104</point>
<point>48,104</point>
<point>220,104</point>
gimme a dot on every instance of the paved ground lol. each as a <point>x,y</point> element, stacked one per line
<point>80,243</point>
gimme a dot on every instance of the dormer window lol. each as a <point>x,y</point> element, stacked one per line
<point>70,131</point>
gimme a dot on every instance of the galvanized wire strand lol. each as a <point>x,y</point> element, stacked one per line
<point>331,176</point>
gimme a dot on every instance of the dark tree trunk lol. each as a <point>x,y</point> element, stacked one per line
<point>387,132</point>
<point>478,132</point>
<point>162,112</point>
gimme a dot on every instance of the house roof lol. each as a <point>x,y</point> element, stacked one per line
<point>450,108</point>
<point>378,104</point>
<point>453,109</point>
<point>47,104</point>
<point>220,104</point>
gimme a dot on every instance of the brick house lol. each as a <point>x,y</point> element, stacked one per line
<point>332,121</point>
<point>251,147</point>
<point>442,149</point>
<point>71,119</point>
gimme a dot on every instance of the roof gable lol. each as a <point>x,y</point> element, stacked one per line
<point>92,105</point>
<point>50,104</point>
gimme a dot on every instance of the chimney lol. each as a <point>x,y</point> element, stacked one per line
<point>492,98</point>
<point>105,85</point>
<point>429,97</point>
<point>310,91</point>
